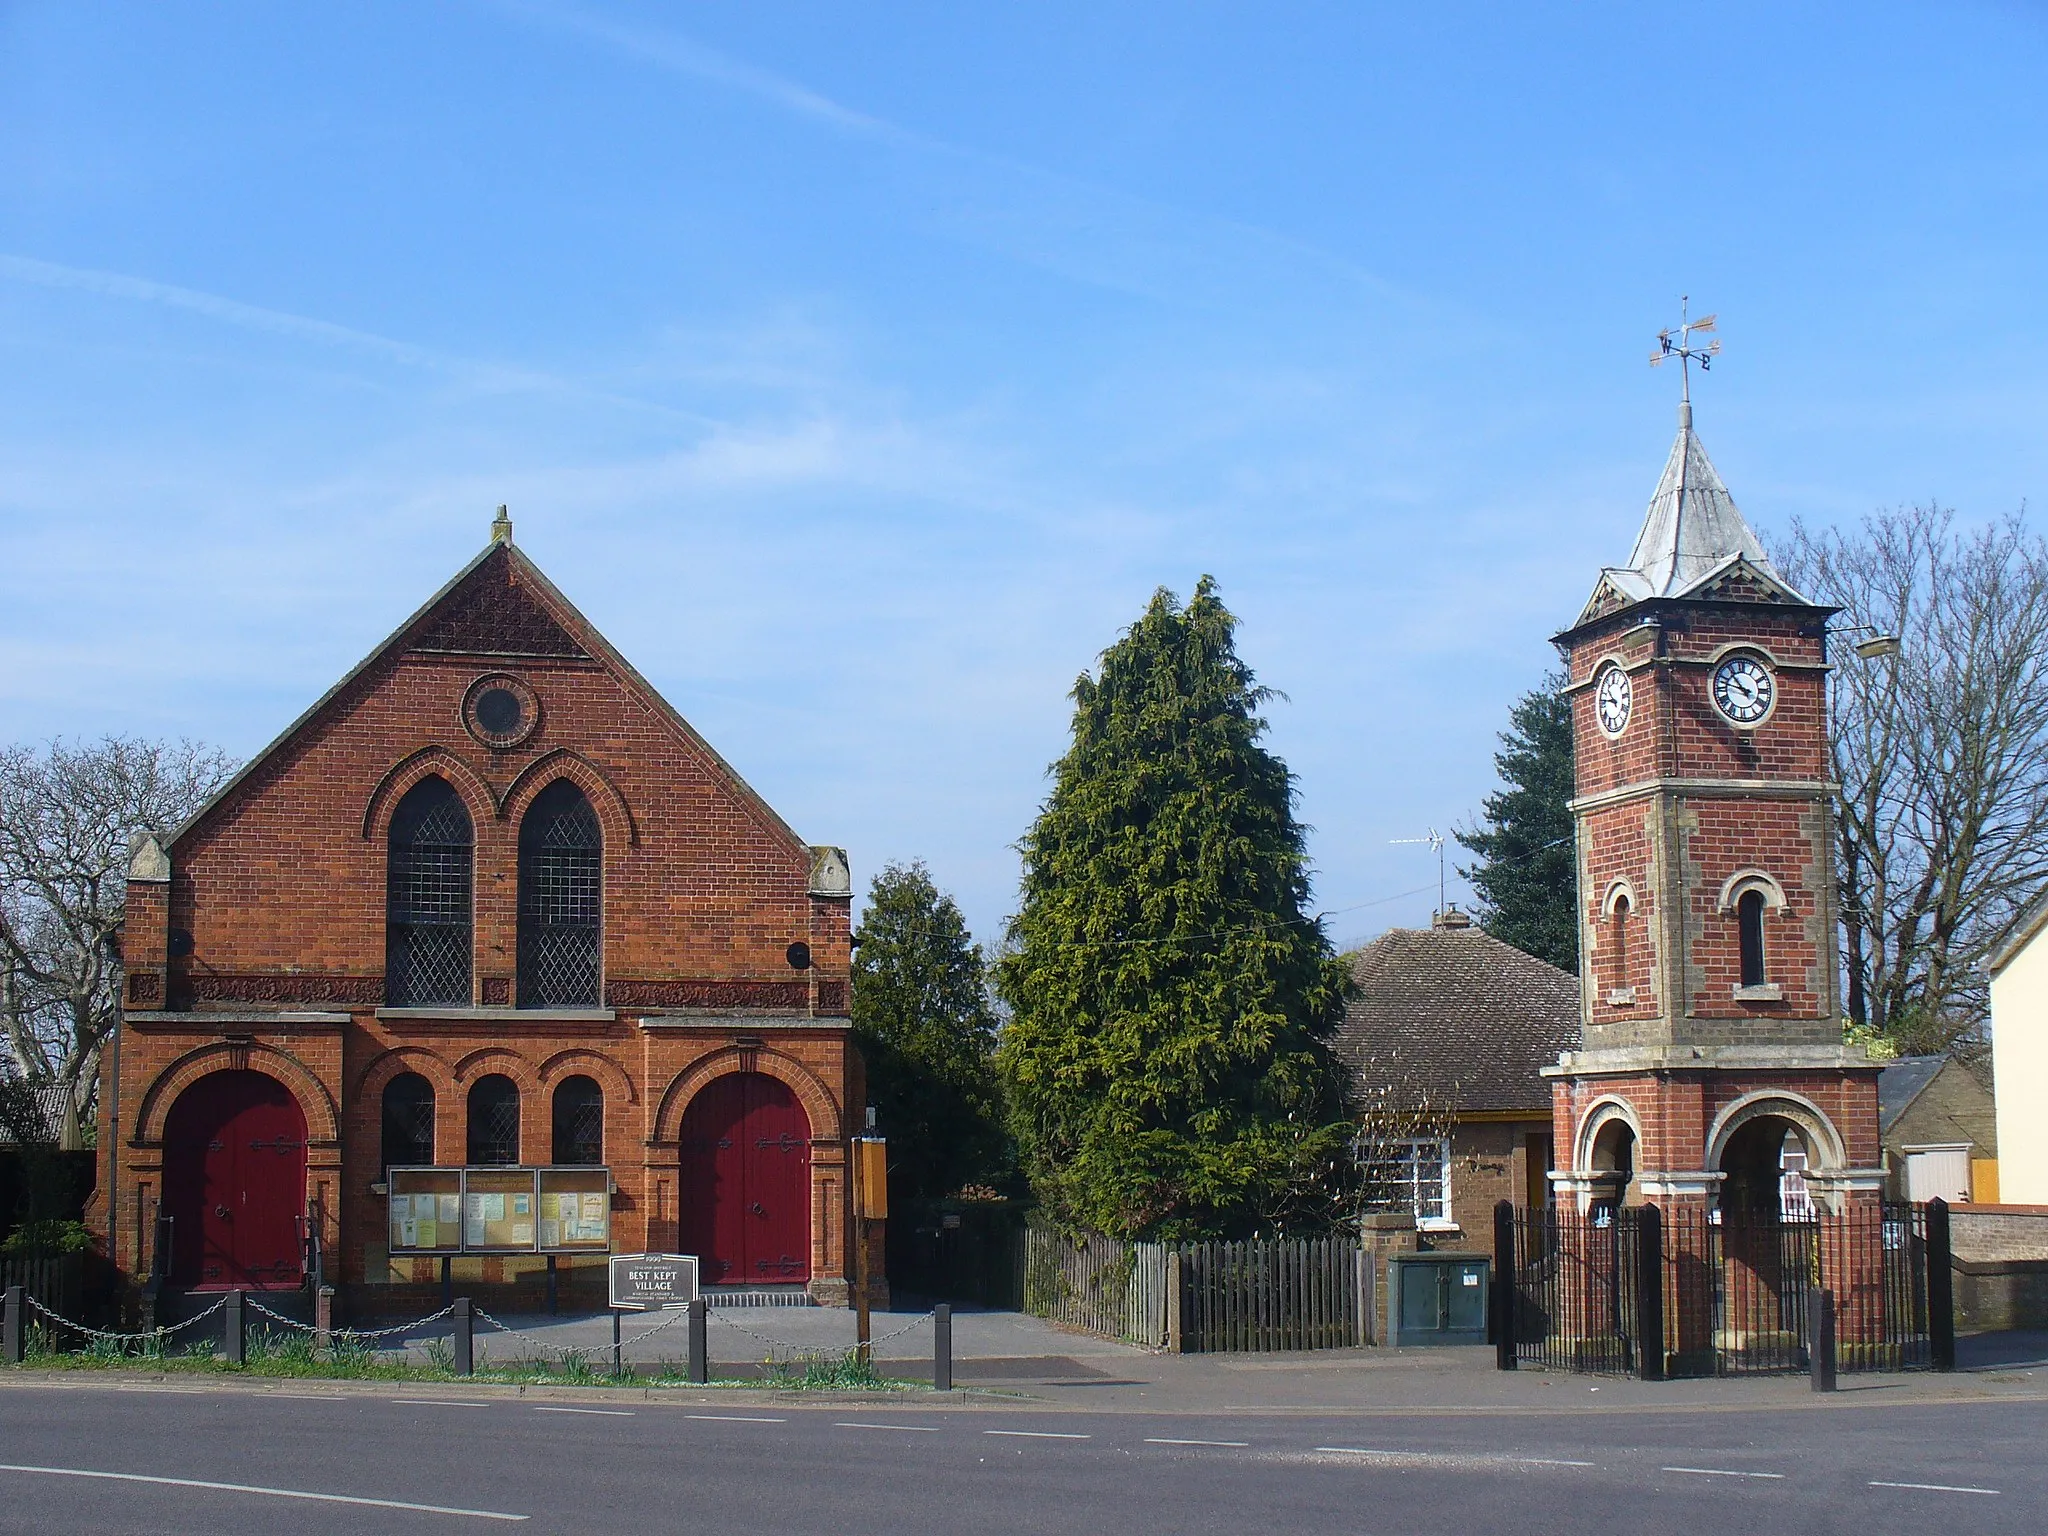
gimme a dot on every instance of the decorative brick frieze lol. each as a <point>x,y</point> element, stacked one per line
<point>699,992</point>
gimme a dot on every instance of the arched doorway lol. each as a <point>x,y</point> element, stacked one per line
<point>746,1182</point>
<point>1763,1166</point>
<point>235,1183</point>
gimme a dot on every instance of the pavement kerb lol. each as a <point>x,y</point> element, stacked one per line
<point>923,1399</point>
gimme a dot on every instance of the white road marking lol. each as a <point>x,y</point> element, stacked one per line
<point>1236,1444</point>
<point>1550,1461</point>
<point>1723,1472</point>
<point>272,1493</point>
<point>1935,1487</point>
<point>308,1397</point>
<point>435,1402</point>
<point>610,1413</point>
<point>731,1418</point>
<point>1036,1434</point>
<point>905,1429</point>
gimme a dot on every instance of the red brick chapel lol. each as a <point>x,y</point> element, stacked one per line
<point>490,908</point>
<point>1712,1071</point>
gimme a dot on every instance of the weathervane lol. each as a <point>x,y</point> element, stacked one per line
<point>1678,343</point>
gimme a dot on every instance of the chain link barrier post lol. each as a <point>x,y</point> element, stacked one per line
<point>700,1351</point>
<point>465,1337</point>
<point>1941,1288</point>
<point>234,1330</point>
<point>11,1326</point>
<point>323,1317</point>
<point>942,1347</point>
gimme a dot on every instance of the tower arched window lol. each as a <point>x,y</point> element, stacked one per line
<point>494,1121</point>
<point>429,872</point>
<point>1749,922</point>
<point>561,891</point>
<point>579,1122</point>
<point>408,1121</point>
<point>1620,921</point>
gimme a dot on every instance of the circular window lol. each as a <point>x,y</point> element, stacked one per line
<point>500,711</point>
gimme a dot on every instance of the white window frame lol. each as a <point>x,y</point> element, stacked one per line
<point>1401,1162</point>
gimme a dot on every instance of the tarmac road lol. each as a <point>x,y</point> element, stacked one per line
<point>140,1457</point>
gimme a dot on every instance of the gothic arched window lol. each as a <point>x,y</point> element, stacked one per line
<point>427,899</point>
<point>561,883</point>
<point>494,1120</point>
<point>408,1121</point>
<point>1749,921</point>
<point>579,1122</point>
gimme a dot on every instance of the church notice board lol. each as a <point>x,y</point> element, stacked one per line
<point>499,1210</point>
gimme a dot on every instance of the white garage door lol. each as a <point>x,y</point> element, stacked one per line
<point>1938,1172</point>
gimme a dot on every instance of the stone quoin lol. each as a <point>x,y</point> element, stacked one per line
<point>489,901</point>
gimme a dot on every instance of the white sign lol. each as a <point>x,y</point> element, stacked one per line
<point>648,1282</point>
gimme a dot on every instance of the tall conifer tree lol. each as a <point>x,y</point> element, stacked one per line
<point>1165,1060</point>
<point>925,1027</point>
<point>1525,878</point>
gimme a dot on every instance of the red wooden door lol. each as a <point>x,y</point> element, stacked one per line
<point>235,1183</point>
<point>746,1182</point>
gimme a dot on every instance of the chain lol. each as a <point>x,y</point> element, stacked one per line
<point>357,1334</point>
<point>109,1333</point>
<point>808,1349</point>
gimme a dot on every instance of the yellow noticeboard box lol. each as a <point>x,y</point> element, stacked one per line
<point>871,1178</point>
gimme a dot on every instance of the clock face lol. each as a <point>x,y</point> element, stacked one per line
<point>1743,689</point>
<point>1613,698</point>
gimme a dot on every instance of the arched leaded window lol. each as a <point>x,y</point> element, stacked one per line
<point>494,1120</point>
<point>561,884</point>
<point>408,1121</point>
<point>427,899</point>
<point>1749,921</point>
<point>579,1122</point>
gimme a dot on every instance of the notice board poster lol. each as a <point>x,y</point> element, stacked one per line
<point>426,1210</point>
<point>498,1210</point>
<point>575,1210</point>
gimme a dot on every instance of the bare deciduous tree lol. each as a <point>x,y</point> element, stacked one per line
<point>66,814</point>
<point>1942,755</point>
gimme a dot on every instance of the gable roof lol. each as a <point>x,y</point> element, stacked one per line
<point>1459,1014</point>
<point>1693,535</point>
<point>500,604</point>
<point>45,1105</point>
<point>1900,1083</point>
<point>2029,924</point>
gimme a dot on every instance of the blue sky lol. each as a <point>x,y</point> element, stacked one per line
<point>860,370</point>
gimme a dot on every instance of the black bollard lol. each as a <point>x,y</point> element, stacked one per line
<point>12,1326</point>
<point>1820,1337</point>
<point>942,1348</point>
<point>465,1337</point>
<point>234,1330</point>
<point>700,1349</point>
<point>618,1362</point>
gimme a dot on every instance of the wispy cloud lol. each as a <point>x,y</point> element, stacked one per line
<point>1080,229</point>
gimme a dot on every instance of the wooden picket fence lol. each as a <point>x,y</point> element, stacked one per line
<point>1269,1294</point>
<point>1101,1286</point>
<point>1290,1293</point>
<point>58,1281</point>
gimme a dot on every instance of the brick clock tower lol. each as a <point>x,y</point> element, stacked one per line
<point>1712,1071</point>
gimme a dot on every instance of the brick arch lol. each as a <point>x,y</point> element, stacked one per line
<point>1737,885</point>
<point>323,1121</point>
<point>620,830</point>
<point>819,1105</point>
<point>1601,1113</point>
<point>495,1058</point>
<point>1823,1142</point>
<point>588,1063</point>
<point>428,762</point>
<point>430,1064</point>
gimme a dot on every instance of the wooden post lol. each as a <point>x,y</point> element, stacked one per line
<point>942,1348</point>
<point>1176,1291</point>
<point>323,1317</point>
<point>554,1306</point>
<point>465,1337</point>
<point>618,1366</point>
<point>1941,1293</point>
<point>234,1330</point>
